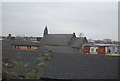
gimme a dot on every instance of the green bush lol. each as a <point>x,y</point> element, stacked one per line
<point>21,69</point>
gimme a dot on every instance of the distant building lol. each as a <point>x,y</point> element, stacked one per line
<point>101,48</point>
<point>2,37</point>
<point>33,39</point>
<point>20,45</point>
<point>108,40</point>
<point>10,37</point>
<point>25,45</point>
<point>19,38</point>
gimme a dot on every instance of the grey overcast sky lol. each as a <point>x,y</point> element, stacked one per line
<point>96,20</point>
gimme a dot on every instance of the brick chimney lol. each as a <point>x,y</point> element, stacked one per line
<point>9,37</point>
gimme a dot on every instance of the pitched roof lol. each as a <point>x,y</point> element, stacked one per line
<point>56,39</point>
<point>71,66</point>
<point>25,43</point>
<point>6,44</point>
<point>100,45</point>
<point>78,42</point>
<point>61,49</point>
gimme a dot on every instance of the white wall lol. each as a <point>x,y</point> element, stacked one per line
<point>93,51</point>
<point>112,48</point>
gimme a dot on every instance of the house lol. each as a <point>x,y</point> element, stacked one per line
<point>10,37</point>
<point>62,43</point>
<point>100,48</point>
<point>63,40</point>
<point>21,45</point>
<point>2,37</point>
<point>25,45</point>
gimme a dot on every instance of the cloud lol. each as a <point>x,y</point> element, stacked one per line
<point>95,20</point>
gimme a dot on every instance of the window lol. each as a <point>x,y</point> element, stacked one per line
<point>17,47</point>
<point>28,47</point>
<point>109,50</point>
<point>96,50</point>
<point>13,46</point>
<point>113,49</point>
<point>92,49</point>
<point>86,49</point>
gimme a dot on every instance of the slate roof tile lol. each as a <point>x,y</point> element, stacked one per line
<point>56,39</point>
<point>61,49</point>
<point>71,66</point>
<point>78,42</point>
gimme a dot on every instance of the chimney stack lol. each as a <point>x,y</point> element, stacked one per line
<point>74,34</point>
<point>9,37</point>
<point>45,31</point>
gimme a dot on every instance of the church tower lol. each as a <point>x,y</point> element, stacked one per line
<point>45,31</point>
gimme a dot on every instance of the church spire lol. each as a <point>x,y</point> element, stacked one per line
<point>45,31</point>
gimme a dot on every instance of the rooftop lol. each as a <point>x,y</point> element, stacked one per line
<point>69,66</point>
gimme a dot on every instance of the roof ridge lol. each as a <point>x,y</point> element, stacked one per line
<point>59,34</point>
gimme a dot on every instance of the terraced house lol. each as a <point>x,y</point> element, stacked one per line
<point>101,48</point>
